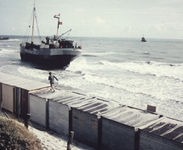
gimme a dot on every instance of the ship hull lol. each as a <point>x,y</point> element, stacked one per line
<point>50,57</point>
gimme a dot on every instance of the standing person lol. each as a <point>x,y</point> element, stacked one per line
<point>51,78</point>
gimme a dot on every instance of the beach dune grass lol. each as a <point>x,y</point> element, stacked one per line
<point>14,135</point>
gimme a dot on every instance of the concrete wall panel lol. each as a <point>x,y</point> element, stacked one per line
<point>58,117</point>
<point>85,127</point>
<point>7,97</point>
<point>38,110</point>
<point>116,136</point>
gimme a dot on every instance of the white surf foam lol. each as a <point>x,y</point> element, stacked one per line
<point>33,73</point>
<point>4,52</point>
<point>151,68</point>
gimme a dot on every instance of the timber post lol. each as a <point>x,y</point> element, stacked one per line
<point>27,120</point>
<point>69,143</point>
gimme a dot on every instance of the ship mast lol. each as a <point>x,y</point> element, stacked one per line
<point>34,9</point>
<point>58,17</point>
<point>58,26</point>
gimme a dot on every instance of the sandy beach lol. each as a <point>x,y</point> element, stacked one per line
<point>53,141</point>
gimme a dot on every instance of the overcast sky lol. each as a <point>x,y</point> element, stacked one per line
<point>96,18</point>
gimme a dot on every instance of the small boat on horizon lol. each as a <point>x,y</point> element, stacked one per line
<point>143,39</point>
<point>54,52</point>
<point>4,38</point>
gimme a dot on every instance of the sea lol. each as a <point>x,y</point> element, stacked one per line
<point>123,70</point>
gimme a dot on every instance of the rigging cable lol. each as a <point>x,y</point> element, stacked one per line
<point>38,27</point>
<point>67,36</point>
<point>26,35</point>
<point>65,33</point>
<point>51,30</point>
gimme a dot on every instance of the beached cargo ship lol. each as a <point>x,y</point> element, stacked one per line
<point>54,52</point>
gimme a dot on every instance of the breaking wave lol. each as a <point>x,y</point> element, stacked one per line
<point>149,68</point>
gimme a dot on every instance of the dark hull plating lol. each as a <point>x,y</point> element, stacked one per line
<point>56,60</point>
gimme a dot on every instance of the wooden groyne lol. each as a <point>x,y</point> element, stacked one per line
<point>95,122</point>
